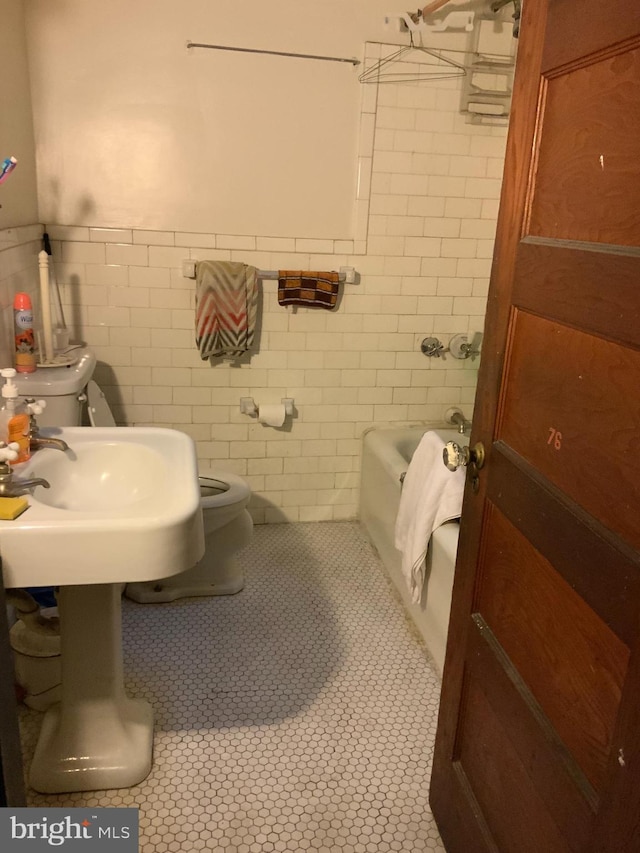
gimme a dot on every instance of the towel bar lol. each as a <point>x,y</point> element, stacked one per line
<point>347,274</point>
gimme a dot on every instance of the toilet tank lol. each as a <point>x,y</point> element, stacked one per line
<point>63,389</point>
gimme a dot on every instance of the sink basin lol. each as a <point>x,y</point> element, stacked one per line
<point>114,479</point>
<point>123,505</point>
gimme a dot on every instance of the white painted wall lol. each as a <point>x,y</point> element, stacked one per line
<point>134,128</point>
<point>18,199</point>
<point>19,243</point>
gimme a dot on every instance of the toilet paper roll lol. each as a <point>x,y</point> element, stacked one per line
<point>272,415</point>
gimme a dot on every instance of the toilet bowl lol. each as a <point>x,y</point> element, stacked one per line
<point>227,529</point>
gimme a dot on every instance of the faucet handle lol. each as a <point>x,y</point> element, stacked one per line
<point>432,348</point>
<point>35,407</point>
<point>9,452</point>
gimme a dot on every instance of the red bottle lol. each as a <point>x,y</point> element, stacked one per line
<point>25,342</point>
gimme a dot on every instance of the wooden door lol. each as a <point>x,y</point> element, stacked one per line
<point>538,745</point>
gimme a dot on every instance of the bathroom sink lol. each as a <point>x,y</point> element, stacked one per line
<point>123,505</point>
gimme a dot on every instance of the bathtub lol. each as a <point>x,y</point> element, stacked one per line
<point>386,454</point>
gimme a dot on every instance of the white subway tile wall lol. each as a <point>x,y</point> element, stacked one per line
<point>424,227</point>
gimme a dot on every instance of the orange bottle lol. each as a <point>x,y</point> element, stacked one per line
<point>15,420</point>
<point>25,344</point>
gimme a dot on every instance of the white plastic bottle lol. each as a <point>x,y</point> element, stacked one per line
<point>15,421</point>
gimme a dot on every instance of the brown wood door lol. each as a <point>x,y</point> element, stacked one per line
<point>538,745</point>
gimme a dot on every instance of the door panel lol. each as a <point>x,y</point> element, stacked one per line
<point>538,744</point>
<point>586,184</point>
<point>572,663</point>
<point>575,285</point>
<point>497,774</point>
<point>603,571</point>
<point>586,28</point>
<point>561,787</point>
<point>563,398</point>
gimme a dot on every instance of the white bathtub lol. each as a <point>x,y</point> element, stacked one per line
<point>386,454</point>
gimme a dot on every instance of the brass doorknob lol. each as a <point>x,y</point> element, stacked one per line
<point>454,456</point>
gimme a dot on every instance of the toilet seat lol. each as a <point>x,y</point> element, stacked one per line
<point>236,489</point>
<point>97,406</point>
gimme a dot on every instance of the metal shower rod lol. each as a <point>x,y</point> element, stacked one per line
<point>191,44</point>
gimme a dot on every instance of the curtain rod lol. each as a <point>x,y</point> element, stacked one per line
<point>191,44</point>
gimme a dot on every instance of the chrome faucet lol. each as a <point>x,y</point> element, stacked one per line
<point>455,417</point>
<point>458,420</point>
<point>10,488</point>
<point>37,441</point>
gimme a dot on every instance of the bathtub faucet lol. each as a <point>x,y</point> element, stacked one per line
<point>455,416</point>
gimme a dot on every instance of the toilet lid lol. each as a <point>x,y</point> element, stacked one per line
<point>99,411</point>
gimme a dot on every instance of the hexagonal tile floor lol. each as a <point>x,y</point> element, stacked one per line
<point>296,715</point>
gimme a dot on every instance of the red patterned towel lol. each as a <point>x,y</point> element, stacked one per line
<point>314,289</point>
<point>226,308</point>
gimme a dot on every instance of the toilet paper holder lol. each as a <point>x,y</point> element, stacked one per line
<point>249,407</point>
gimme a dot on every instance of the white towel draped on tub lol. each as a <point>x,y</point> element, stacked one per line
<point>431,495</point>
<point>226,308</point>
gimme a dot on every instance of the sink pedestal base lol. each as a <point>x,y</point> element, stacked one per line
<point>96,737</point>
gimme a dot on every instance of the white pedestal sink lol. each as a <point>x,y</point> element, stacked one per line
<point>124,505</point>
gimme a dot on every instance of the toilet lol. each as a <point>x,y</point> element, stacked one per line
<point>227,529</point>
<point>224,495</point>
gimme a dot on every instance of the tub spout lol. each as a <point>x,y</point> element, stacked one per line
<point>455,416</point>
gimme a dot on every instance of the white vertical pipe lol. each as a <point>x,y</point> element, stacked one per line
<point>45,306</point>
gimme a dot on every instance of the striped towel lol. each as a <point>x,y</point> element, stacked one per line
<point>315,289</point>
<point>226,308</point>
